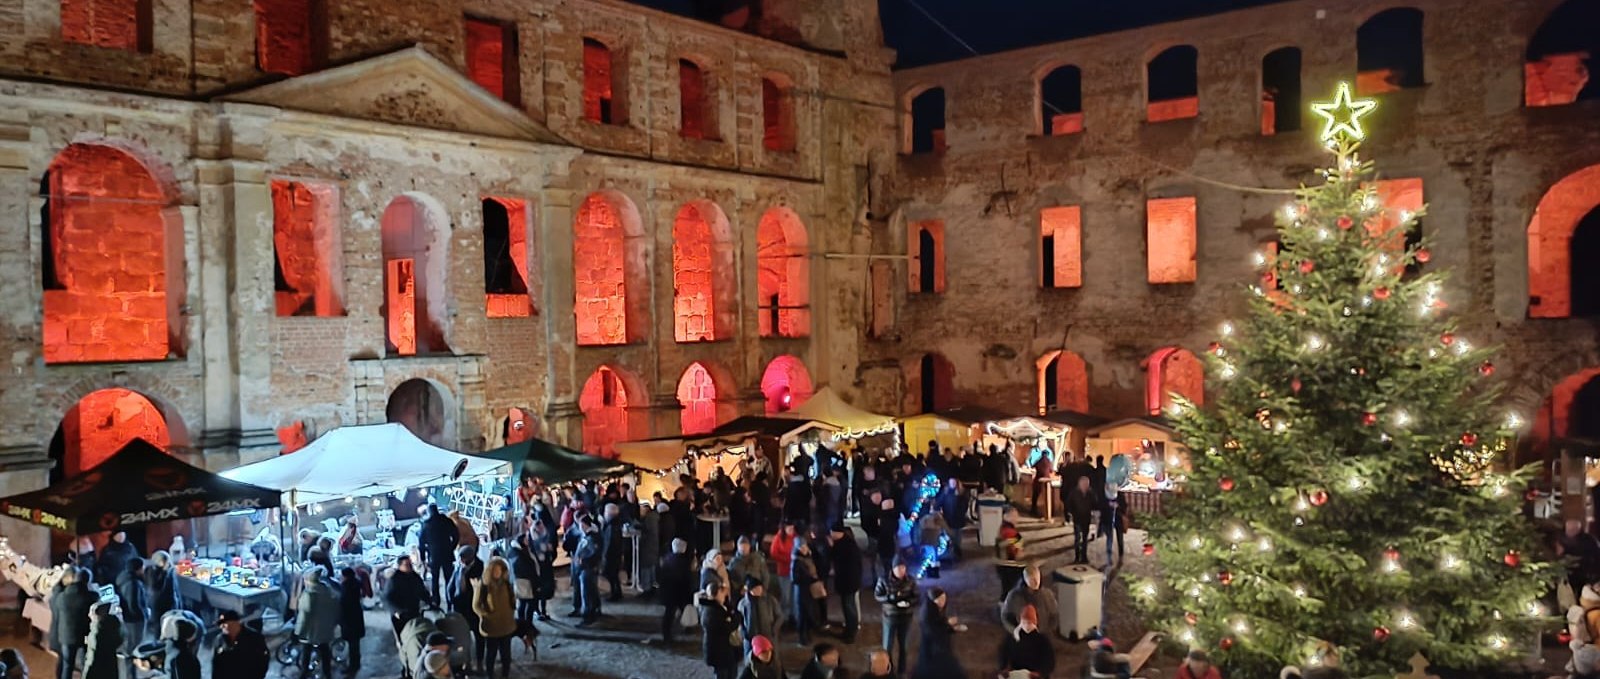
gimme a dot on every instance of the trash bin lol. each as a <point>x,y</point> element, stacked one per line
<point>1078,597</point>
<point>991,512</point>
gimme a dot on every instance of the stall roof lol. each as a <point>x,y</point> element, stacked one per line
<point>1156,422</point>
<point>970,415</point>
<point>761,426</point>
<point>137,485</point>
<point>1073,418</point>
<point>363,460</point>
<point>827,407</point>
<point>652,454</point>
<point>554,463</point>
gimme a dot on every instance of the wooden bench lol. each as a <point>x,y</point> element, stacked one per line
<point>1141,652</point>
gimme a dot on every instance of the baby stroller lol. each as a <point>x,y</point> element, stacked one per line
<point>414,637</point>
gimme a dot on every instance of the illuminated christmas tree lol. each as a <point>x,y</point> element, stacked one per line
<point>1342,493</point>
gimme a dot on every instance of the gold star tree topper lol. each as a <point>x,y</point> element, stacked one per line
<point>1343,115</point>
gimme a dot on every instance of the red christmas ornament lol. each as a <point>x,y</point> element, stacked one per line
<point>1319,498</point>
<point>1563,637</point>
<point>1448,339</point>
<point>1391,554</point>
<point>1513,559</point>
<point>1469,439</point>
<point>1369,419</point>
<point>1295,385</point>
<point>1346,222</point>
<point>1380,294</point>
<point>1226,484</point>
<point>1423,256</point>
<point>1486,369</point>
<point>1225,578</point>
<point>1149,549</point>
<point>1269,279</point>
<point>1226,643</point>
<point>1532,495</point>
<point>1191,618</point>
<point>1215,348</point>
<point>1307,266</point>
<point>1380,634</point>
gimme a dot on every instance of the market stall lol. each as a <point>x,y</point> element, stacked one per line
<point>726,447</point>
<point>1078,426</point>
<point>141,485</point>
<point>952,428</point>
<point>1157,459</point>
<point>853,428</point>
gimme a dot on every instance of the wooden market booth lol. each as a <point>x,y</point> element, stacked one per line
<point>726,446</point>
<point>1157,459</point>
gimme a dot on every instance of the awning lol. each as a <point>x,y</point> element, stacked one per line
<point>652,454</point>
<point>364,460</point>
<point>1075,419</point>
<point>137,485</point>
<point>827,407</point>
<point>553,463</point>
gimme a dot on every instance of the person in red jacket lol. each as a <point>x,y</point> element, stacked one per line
<point>781,554</point>
<point>1198,666</point>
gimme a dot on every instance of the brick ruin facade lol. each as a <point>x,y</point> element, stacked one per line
<point>284,210</point>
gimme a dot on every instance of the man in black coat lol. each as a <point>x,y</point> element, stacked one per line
<point>995,469</point>
<point>437,543</point>
<point>241,652</point>
<point>1079,507</point>
<point>797,500</point>
<point>113,559</point>
<point>676,581</point>
<point>614,547</point>
<point>846,558</point>
<point>469,572</point>
<point>135,598</point>
<point>404,594</point>
<point>70,602</point>
<point>888,535</point>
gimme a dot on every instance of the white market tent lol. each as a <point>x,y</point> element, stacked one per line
<point>827,407</point>
<point>363,460</point>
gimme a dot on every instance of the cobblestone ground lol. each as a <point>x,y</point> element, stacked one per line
<point>618,649</point>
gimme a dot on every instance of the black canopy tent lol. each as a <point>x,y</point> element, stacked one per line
<point>554,463</point>
<point>137,485</point>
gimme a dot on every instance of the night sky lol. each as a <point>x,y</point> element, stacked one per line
<point>991,26</point>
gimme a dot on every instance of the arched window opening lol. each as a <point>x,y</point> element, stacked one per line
<point>1063,382</point>
<point>416,292</point>
<point>1585,273</point>
<point>926,124</point>
<point>935,383</point>
<point>1564,56</point>
<point>1170,371</point>
<point>783,274</point>
<point>421,407</point>
<point>1060,248</point>
<point>113,24</point>
<point>101,423</point>
<point>697,102</point>
<point>605,400</point>
<point>289,35</point>
<point>785,385</point>
<point>1061,102</point>
<point>1173,84</point>
<point>308,254</point>
<point>702,274</point>
<point>1551,248</point>
<point>605,84</point>
<point>113,273</point>
<point>777,114</point>
<point>1389,52</point>
<point>609,266</point>
<point>493,58</point>
<point>926,242</point>
<point>697,394</point>
<point>1280,91</point>
<point>505,258</point>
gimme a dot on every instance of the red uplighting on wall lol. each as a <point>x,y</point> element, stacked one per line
<point>786,384</point>
<point>1555,80</point>
<point>1060,247</point>
<point>783,275</point>
<point>284,36</point>
<point>520,426</point>
<point>505,258</point>
<point>702,274</point>
<point>105,259</point>
<point>492,57</point>
<point>1550,236</point>
<point>1173,370</point>
<point>600,98</point>
<point>116,24</point>
<point>604,402</point>
<point>694,106</point>
<point>415,292</point>
<point>106,420</point>
<point>697,393</point>
<point>1063,382</point>
<point>309,276</point>
<point>1170,239</point>
<point>608,267</point>
<point>777,115</point>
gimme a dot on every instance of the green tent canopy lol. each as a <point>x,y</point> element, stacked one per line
<point>554,463</point>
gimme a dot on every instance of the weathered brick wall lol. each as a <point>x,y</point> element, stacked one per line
<point>1484,160</point>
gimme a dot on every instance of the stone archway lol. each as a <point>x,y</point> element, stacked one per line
<point>424,408</point>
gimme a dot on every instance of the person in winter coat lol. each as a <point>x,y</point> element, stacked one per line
<point>161,578</point>
<point>719,643</point>
<point>897,592</point>
<point>495,604</point>
<point>134,598</point>
<point>748,562</point>
<point>588,561</point>
<point>1104,659</point>
<point>240,652</point>
<point>404,594</point>
<point>807,583</point>
<point>846,559</point>
<point>1028,648</point>
<point>782,552</point>
<point>936,657</point>
<point>677,587</point>
<point>760,614</point>
<point>105,639</point>
<point>824,663</point>
<point>16,668</point>
<point>469,570</point>
<point>952,503</point>
<point>524,580</point>
<point>613,547</point>
<point>888,536</point>
<point>712,569</point>
<point>437,545</point>
<point>1197,666</point>
<point>649,526</point>
<point>352,618</point>
<point>317,622</point>
<point>468,534</point>
<point>762,662</point>
<point>113,559</point>
<point>1079,507</point>
<point>543,548</point>
<point>1030,591</point>
<point>70,602</point>
<point>1114,522</point>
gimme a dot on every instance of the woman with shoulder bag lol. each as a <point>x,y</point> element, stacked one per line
<point>720,640</point>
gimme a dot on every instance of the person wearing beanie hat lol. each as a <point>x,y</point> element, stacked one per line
<point>748,562</point>
<point>1027,647</point>
<point>762,662</point>
<point>437,665</point>
<point>761,613</point>
<point>1104,659</point>
<point>897,592</point>
<point>1198,666</point>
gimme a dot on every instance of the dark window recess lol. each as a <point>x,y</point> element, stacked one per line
<point>1047,262</point>
<point>927,121</point>
<point>1391,41</point>
<point>1051,391</point>
<point>47,241</point>
<point>1174,74</point>
<point>499,268</point>
<point>1280,80</point>
<point>1585,253</point>
<point>927,253</point>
